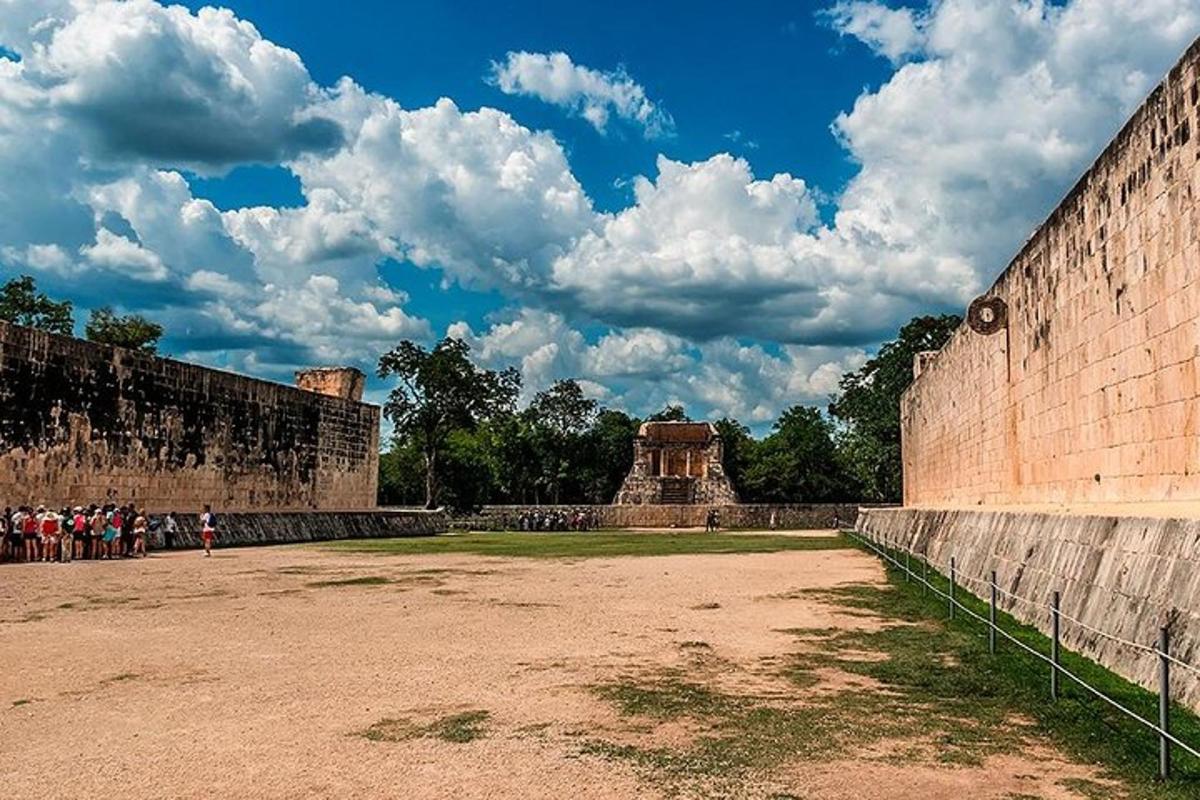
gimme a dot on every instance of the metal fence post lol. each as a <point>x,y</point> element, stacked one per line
<point>953,578</point>
<point>1054,624</point>
<point>925,574</point>
<point>1164,704</point>
<point>907,568</point>
<point>992,617</point>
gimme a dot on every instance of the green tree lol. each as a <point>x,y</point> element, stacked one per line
<point>514,454</point>
<point>740,449</point>
<point>401,475</point>
<point>564,408</point>
<point>671,413</point>
<point>133,332</point>
<point>868,406</point>
<point>608,454</point>
<point>466,471</point>
<point>798,461</point>
<point>22,304</point>
<point>441,391</point>
<point>559,416</point>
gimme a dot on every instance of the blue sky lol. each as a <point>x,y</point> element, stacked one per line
<point>726,206</point>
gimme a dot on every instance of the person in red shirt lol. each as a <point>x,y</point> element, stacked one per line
<point>29,529</point>
<point>50,523</point>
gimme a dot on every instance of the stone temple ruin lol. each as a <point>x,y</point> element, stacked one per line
<point>677,463</point>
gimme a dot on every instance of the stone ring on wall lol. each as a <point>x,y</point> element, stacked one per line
<point>987,315</point>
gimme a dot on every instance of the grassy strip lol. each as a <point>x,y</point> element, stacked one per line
<point>1085,727</point>
<point>586,545</point>
<point>457,728</point>
<point>362,580</point>
<point>742,740</point>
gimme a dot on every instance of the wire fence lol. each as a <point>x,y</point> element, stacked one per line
<point>902,558</point>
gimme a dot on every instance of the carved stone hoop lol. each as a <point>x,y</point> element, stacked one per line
<point>987,315</point>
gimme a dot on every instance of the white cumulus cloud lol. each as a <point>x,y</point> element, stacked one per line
<point>892,32</point>
<point>148,81</point>
<point>594,95</point>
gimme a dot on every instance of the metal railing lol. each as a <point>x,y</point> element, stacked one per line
<point>893,553</point>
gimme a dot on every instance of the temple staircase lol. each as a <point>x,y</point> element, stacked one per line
<point>677,491</point>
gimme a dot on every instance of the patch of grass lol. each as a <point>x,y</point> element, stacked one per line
<point>942,662</point>
<point>457,728</point>
<point>121,677</point>
<point>389,730</point>
<point>694,644</point>
<point>666,699</point>
<point>741,739</point>
<point>362,580</point>
<point>585,545</point>
<point>461,728</point>
<point>706,607</point>
<point>300,569</point>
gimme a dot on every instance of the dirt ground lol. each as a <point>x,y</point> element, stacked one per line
<point>256,673</point>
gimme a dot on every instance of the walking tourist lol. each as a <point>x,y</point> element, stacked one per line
<point>169,528</point>
<point>208,529</point>
<point>139,534</point>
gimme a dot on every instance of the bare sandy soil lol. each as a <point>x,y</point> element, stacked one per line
<point>242,676</point>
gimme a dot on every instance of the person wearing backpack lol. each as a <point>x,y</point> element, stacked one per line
<point>208,529</point>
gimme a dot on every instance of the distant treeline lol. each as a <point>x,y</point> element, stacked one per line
<point>460,439</point>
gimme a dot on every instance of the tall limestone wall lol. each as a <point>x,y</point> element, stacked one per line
<point>1127,576</point>
<point>83,423</point>
<point>1089,392</point>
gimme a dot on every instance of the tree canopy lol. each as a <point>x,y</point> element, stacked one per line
<point>798,460</point>
<point>441,391</point>
<point>22,304</point>
<point>133,332</point>
<point>869,405</point>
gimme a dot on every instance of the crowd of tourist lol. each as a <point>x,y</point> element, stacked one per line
<point>93,532</point>
<point>579,519</point>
